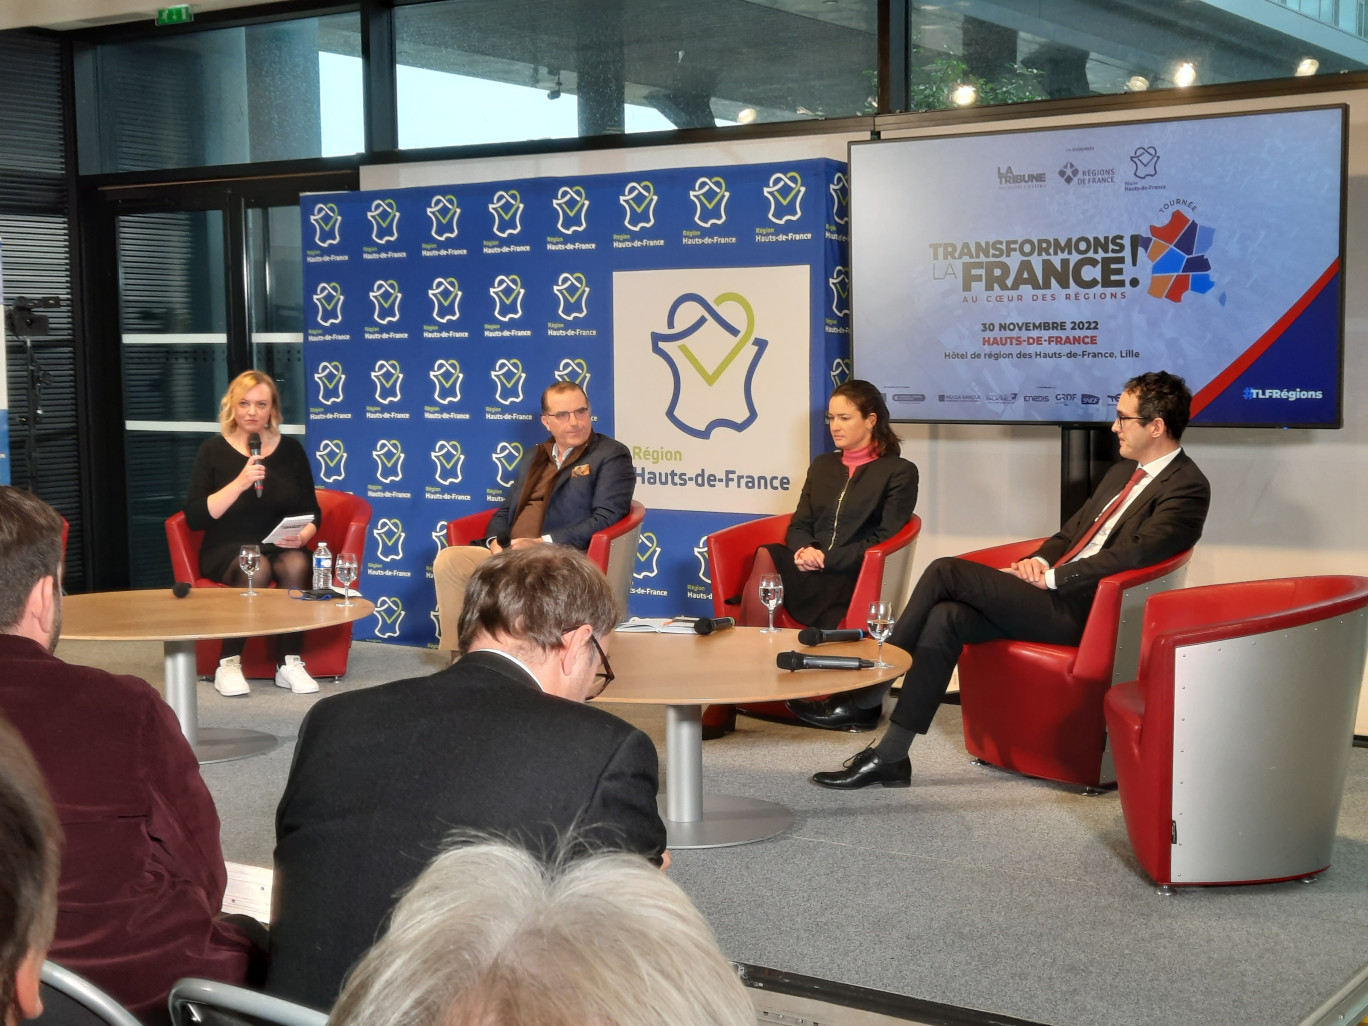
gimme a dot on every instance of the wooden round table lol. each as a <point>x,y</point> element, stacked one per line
<point>205,613</point>
<point>685,672</point>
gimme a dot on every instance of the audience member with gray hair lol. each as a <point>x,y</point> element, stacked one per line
<point>30,859</point>
<point>489,934</point>
<point>500,741</point>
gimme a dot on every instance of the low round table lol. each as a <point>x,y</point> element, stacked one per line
<point>157,615</point>
<point>685,672</point>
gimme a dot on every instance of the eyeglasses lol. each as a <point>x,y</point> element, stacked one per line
<point>605,676</point>
<point>563,416</point>
<point>1122,418</point>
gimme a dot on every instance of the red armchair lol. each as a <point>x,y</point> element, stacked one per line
<point>731,554</point>
<point>1037,708</point>
<point>1232,743</point>
<point>612,550</point>
<point>343,527</point>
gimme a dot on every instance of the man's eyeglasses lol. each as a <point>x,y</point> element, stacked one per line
<point>1121,418</point>
<point>563,416</point>
<point>605,676</point>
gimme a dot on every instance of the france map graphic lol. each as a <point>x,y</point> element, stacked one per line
<point>1178,253</point>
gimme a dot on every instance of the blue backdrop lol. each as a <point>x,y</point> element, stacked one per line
<point>704,310</point>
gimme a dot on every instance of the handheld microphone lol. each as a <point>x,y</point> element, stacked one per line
<point>706,624</point>
<point>818,636</point>
<point>254,448</point>
<point>804,661</point>
<point>180,589</point>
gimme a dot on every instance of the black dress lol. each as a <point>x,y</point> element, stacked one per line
<point>842,515</point>
<point>288,490</point>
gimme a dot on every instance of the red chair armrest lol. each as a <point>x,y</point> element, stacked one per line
<point>869,583</point>
<point>1097,647</point>
<point>999,556</point>
<point>464,530</point>
<point>602,541</point>
<point>184,546</point>
<point>731,554</point>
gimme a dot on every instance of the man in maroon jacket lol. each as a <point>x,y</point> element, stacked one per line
<point>142,871</point>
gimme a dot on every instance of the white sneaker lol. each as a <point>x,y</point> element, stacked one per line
<point>293,676</point>
<point>228,678</point>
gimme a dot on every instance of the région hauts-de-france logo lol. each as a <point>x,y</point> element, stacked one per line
<point>389,614</point>
<point>508,378</point>
<point>446,300</point>
<point>327,223</point>
<point>444,213</point>
<point>840,372</point>
<point>389,379</point>
<point>389,540</point>
<point>1145,161</point>
<point>572,206</point>
<point>638,205</point>
<point>448,457</point>
<point>785,194</point>
<point>386,295</point>
<point>839,284</point>
<point>328,297</point>
<point>332,460</point>
<point>506,457</point>
<point>840,198</point>
<point>330,380</point>
<point>710,197</point>
<point>508,292</point>
<point>389,460</point>
<point>1178,254</point>
<point>701,554</point>
<point>384,219</point>
<point>575,370</point>
<point>507,209</point>
<point>439,535</point>
<point>712,360</point>
<point>446,381</point>
<point>647,556</point>
<point>572,293</point>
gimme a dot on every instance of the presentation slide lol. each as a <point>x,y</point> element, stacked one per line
<point>1024,276</point>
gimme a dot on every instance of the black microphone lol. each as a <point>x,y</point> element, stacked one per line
<point>804,661</point>
<point>180,589</point>
<point>817,636</point>
<point>254,447</point>
<point>707,624</point>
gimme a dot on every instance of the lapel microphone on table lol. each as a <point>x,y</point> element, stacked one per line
<point>254,448</point>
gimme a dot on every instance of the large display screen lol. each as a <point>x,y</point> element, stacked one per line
<point>1022,277</point>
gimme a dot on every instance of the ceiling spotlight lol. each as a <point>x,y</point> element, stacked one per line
<point>1307,66</point>
<point>963,95</point>
<point>745,115</point>
<point>1137,84</point>
<point>1185,75</point>
<point>555,92</point>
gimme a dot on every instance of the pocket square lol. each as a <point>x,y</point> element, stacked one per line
<point>580,471</point>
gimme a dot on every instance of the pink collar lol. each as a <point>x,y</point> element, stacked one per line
<point>855,458</point>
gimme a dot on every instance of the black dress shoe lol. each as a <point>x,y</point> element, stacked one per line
<point>835,714</point>
<point>865,768</point>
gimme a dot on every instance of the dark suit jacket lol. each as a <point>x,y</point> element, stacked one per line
<point>582,502</point>
<point>381,776</point>
<point>1163,521</point>
<point>142,871</point>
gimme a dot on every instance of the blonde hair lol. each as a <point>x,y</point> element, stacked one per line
<point>237,388</point>
<point>488,934</point>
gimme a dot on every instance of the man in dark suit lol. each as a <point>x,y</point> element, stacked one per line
<point>1150,506</point>
<point>574,484</point>
<point>501,741</point>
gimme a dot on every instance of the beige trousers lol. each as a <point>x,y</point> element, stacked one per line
<point>451,571</point>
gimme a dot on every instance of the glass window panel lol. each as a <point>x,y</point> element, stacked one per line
<point>225,96</point>
<point>1011,52</point>
<point>480,71</point>
<point>275,294</point>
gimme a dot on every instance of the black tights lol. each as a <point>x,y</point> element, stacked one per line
<point>289,568</point>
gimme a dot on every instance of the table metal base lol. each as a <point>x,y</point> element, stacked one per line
<point>697,820</point>
<point>211,744</point>
<point>224,744</point>
<point>727,819</point>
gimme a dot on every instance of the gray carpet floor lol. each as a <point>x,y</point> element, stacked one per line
<point>973,887</point>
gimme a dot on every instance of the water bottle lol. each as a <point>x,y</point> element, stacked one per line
<point>322,577</point>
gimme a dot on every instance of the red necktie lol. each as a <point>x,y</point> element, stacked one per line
<point>1096,525</point>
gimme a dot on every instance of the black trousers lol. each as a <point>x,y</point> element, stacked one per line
<point>958,602</point>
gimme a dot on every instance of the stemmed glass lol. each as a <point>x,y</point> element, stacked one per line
<point>772,596</point>
<point>346,570</point>
<point>249,559</point>
<point>880,624</point>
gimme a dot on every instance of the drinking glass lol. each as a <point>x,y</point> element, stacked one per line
<point>772,596</point>
<point>249,559</point>
<point>880,624</point>
<point>346,569</point>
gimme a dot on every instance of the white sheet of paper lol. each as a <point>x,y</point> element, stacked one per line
<point>287,527</point>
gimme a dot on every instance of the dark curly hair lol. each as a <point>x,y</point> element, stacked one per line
<point>1165,395</point>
